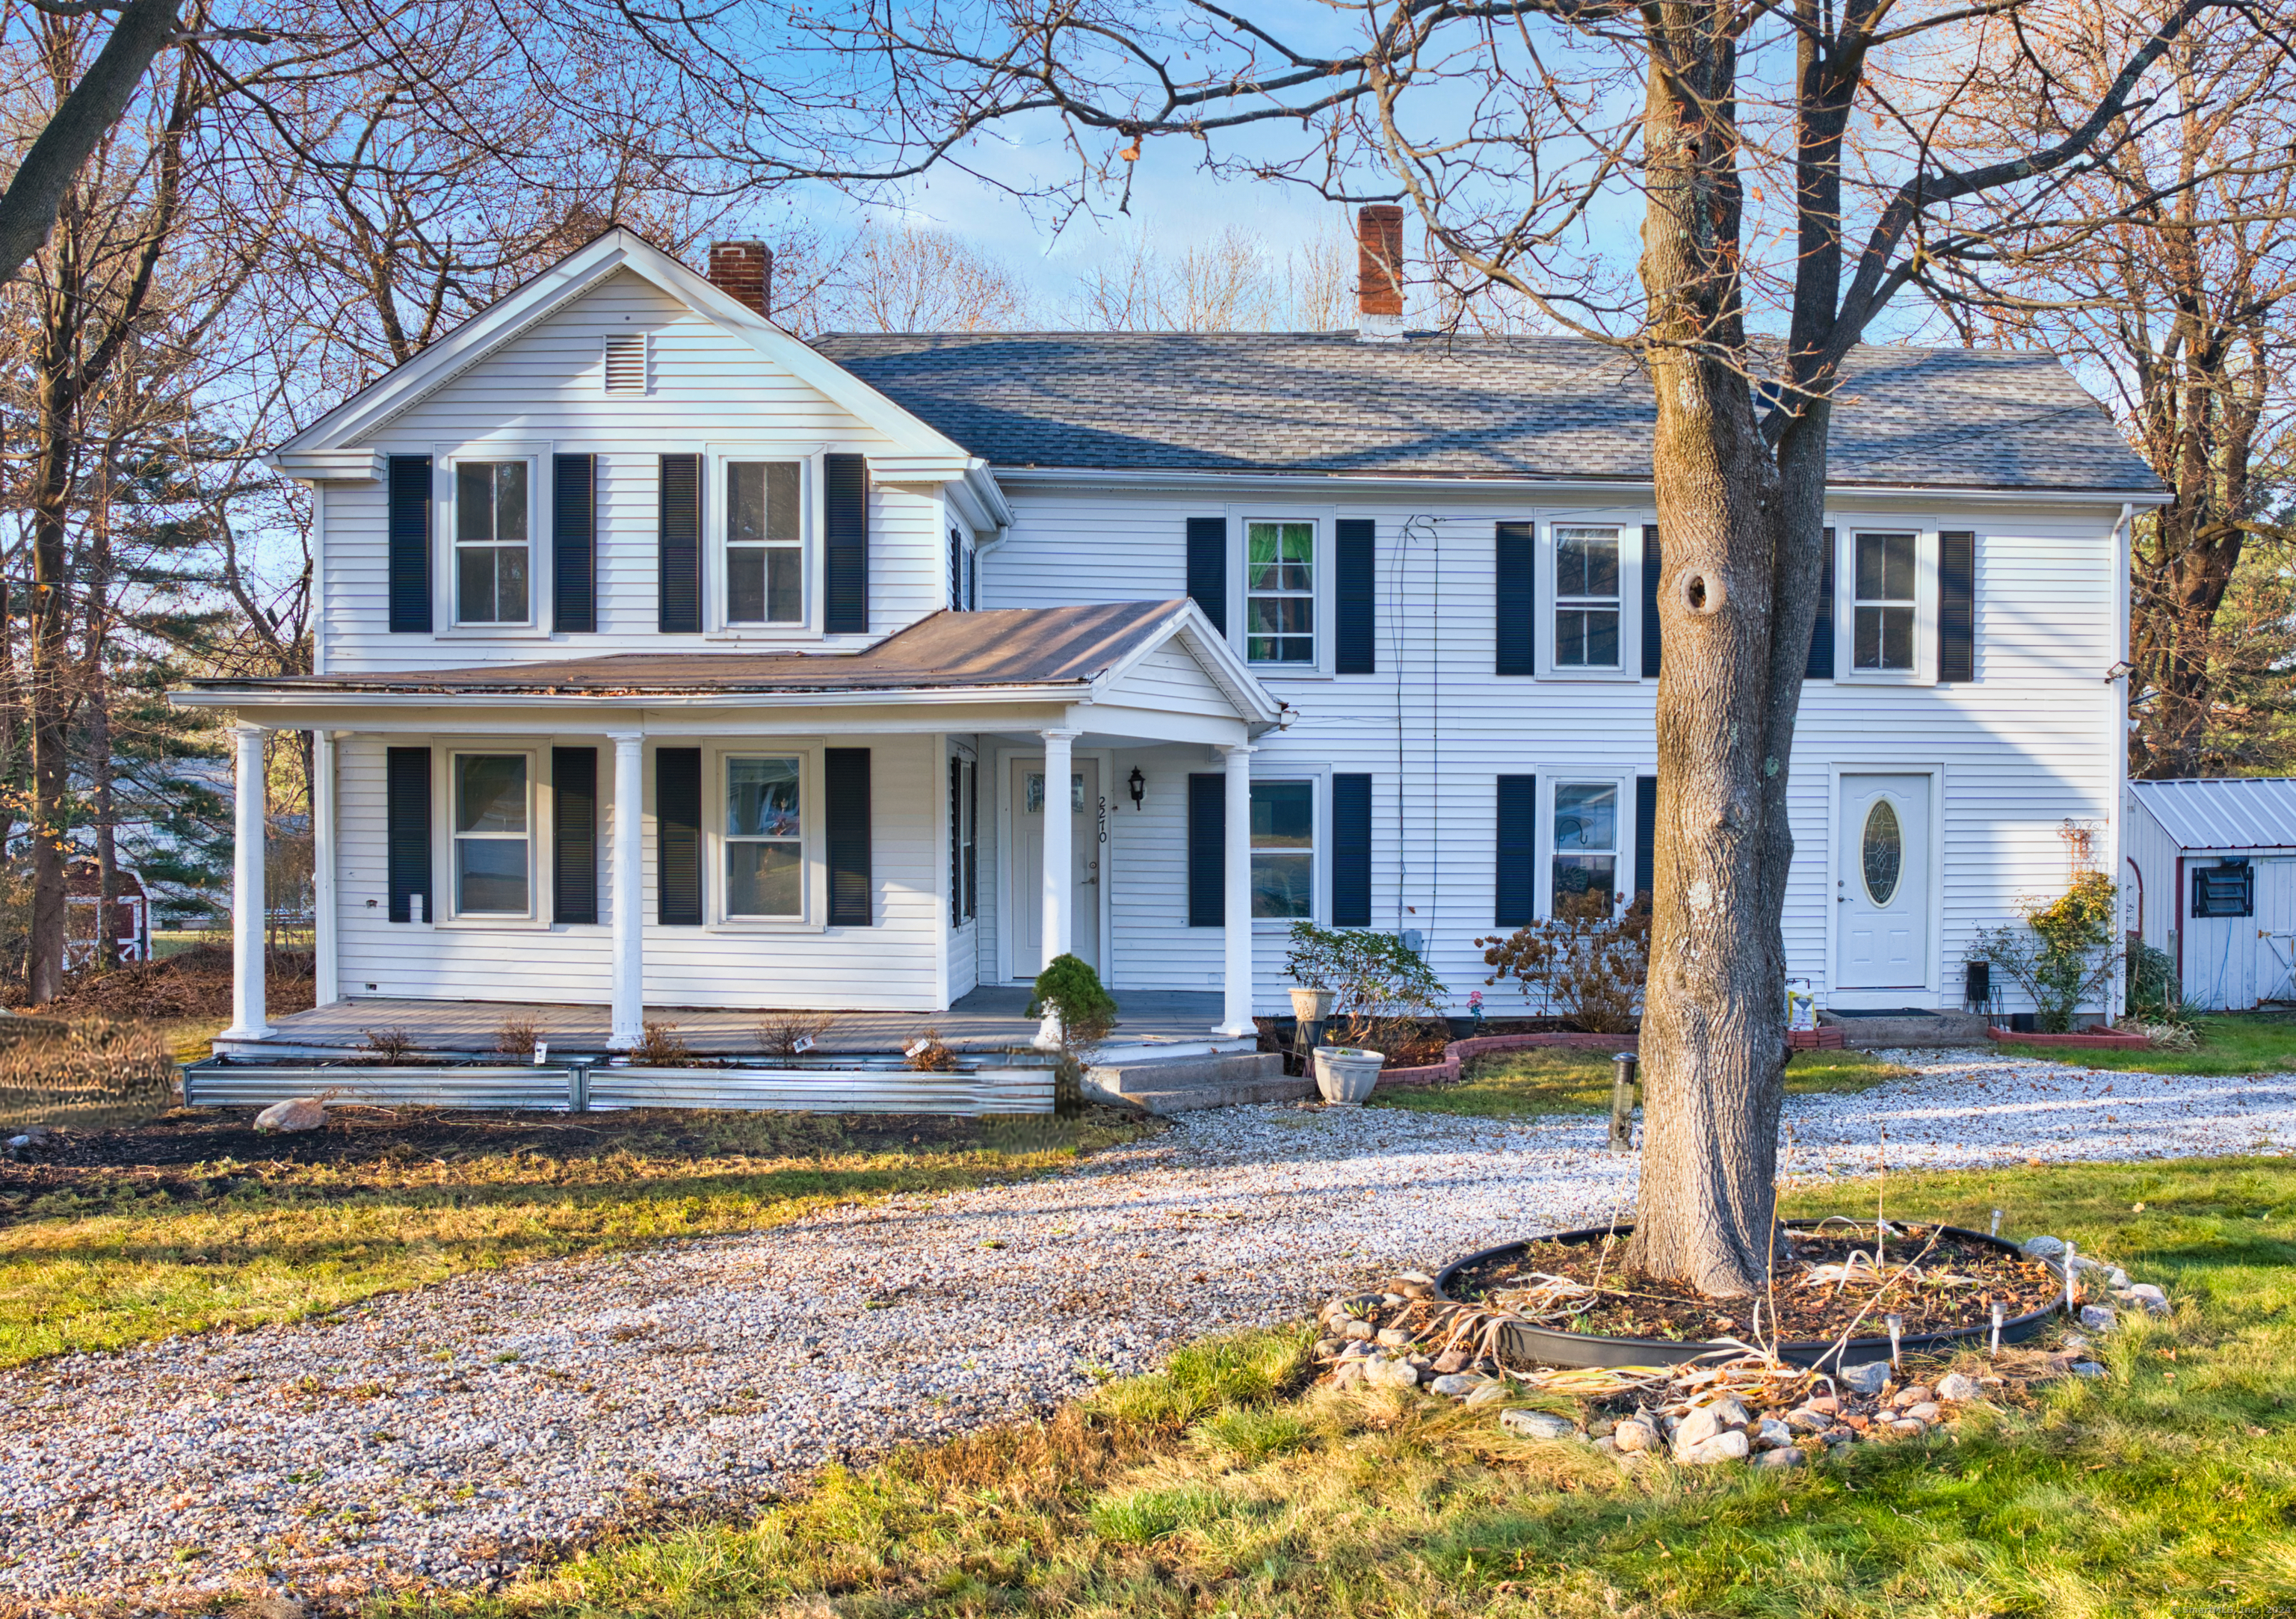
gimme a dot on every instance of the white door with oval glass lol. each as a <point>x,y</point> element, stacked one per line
<point>1881,887</point>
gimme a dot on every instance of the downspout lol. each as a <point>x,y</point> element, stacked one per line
<point>2116,996</point>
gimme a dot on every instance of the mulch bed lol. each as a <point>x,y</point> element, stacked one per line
<point>1933,1282</point>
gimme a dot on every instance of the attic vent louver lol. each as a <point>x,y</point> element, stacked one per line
<point>625,362</point>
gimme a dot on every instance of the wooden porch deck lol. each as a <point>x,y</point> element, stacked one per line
<point>993,1018</point>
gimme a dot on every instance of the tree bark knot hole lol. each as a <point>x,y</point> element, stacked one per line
<point>1701,594</point>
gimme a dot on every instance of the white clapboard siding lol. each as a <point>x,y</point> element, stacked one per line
<point>2027,745</point>
<point>890,965</point>
<point>545,388</point>
<point>1171,681</point>
<point>2152,899</point>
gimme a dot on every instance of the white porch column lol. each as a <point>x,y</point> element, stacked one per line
<point>1059,857</point>
<point>247,1022</point>
<point>1236,914</point>
<point>325,940</point>
<point>629,895</point>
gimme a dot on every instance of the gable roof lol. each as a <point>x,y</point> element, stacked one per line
<point>1519,408</point>
<point>2223,812</point>
<point>1020,651</point>
<point>321,449</point>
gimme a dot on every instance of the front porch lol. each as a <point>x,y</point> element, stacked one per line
<point>993,1018</point>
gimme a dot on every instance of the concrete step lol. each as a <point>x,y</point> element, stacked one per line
<point>1184,1084</point>
<point>1932,1029</point>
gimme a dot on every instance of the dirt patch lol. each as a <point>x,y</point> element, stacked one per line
<point>1932,1280</point>
<point>224,1143</point>
<point>195,982</point>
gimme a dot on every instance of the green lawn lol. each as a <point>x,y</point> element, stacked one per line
<point>1222,1486</point>
<point>1523,1084</point>
<point>2239,1043</point>
<point>118,1256</point>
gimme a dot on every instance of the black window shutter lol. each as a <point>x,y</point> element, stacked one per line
<point>1516,599</point>
<point>1208,569</point>
<point>679,553</point>
<point>845,556</point>
<point>574,834</point>
<point>955,570</point>
<point>1354,596</point>
<point>1351,851</point>
<point>973,581</point>
<point>955,840</point>
<point>1820,666</point>
<point>409,524</point>
<point>678,821</point>
<point>972,843</point>
<point>573,543</point>
<point>1516,901</point>
<point>1645,833</point>
<point>1207,849</point>
<point>845,809</point>
<point>407,830</point>
<point>1649,601</point>
<point>1957,606</point>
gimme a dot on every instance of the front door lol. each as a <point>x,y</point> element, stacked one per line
<point>1882,898</point>
<point>1026,893</point>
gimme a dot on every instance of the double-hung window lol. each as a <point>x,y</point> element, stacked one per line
<point>1585,848</point>
<point>1586,598</point>
<point>1284,848</point>
<point>493,836</point>
<point>765,849</point>
<point>493,579</point>
<point>765,542</point>
<point>1881,626</point>
<point>1279,588</point>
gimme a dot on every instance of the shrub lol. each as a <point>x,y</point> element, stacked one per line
<point>517,1036</point>
<point>87,1074</point>
<point>2155,996</point>
<point>663,1047</point>
<point>1072,991</point>
<point>783,1033</point>
<point>1379,984</point>
<point>929,1054</point>
<point>2062,953</point>
<point>1583,964</point>
<point>391,1045</point>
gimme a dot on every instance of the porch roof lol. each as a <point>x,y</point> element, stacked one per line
<point>1039,654</point>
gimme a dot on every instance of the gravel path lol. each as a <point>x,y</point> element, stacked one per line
<point>450,1435</point>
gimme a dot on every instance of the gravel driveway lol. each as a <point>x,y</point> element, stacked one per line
<point>452,1433</point>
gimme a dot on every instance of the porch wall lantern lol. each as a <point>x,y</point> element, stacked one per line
<point>1138,784</point>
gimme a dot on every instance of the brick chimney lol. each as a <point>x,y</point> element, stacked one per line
<point>746,271</point>
<point>1379,271</point>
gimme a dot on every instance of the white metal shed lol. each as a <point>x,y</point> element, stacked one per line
<point>2209,877</point>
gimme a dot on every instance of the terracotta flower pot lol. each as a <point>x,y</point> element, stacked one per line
<point>1347,1075</point>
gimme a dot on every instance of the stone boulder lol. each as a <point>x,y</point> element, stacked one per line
<point>1538,1425</point>
<point>296,1113</point>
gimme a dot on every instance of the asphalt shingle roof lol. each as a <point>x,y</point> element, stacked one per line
<point>1537,407</point>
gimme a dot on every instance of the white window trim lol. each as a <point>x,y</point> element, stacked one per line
<point>812,835</point>
<point>715,459</point>
<point>1549,599</point>
<point>1319,776</point>
<point>1552,776</point>
<point>1239,520</point>
<point>963,754</point>
<point>447,890</point>
<point>1846,531</point>
<point>445,608</point>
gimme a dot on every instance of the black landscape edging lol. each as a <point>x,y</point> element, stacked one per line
<point>1548,1347</point>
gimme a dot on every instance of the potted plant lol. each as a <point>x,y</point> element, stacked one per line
<point>1347,1075</point>
<point>1311,964</point>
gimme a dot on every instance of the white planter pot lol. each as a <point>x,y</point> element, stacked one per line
<point>1346,1076</point>
<point>1311,1006</point>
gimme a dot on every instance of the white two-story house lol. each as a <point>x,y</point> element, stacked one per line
<point>664,659</point>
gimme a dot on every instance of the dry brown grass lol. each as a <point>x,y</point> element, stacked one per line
<point>87,1073</point>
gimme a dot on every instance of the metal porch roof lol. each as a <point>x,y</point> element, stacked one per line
<point>2224,812</point>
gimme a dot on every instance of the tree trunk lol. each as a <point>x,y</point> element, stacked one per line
<point>1713,1055</point>
<point>51,656</point>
